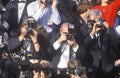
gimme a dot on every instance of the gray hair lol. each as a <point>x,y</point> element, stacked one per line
<point>95,12</point>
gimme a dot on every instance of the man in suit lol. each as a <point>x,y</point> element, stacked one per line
<point>97,41</point>
<point>64,47</point>
<point>16,12</point>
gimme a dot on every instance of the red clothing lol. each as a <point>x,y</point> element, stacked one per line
<point>109,12</point>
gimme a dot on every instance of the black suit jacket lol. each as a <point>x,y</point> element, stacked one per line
<point>55,54</point>
<point>11,14</point>
<point>105,52</point>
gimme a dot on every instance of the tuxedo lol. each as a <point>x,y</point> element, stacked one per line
<point>11,14</point>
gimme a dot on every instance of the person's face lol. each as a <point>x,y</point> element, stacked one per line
<point>64,30</point>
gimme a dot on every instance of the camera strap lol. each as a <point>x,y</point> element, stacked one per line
<point>64,47</point>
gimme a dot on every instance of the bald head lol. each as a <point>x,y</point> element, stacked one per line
<point>64,27</point>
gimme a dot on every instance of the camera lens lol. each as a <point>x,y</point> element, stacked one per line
<point>70,37</point>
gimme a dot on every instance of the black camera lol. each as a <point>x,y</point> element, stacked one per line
<point>26,65</point>
<point>47,2</point>
<point>71,28</point>
<point>90,24</point>
<point>78,70</point>
<point>101,23</point>
<point>31,24</point>
<point>70,37</point>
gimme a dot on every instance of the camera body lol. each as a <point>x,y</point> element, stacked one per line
<point>31,24</point>
<point>47,2</point>
<point>101,23</point>
<point>90,24</point>
<point>78,70</point>
<point>70,37</point>
<point>71,28</point>
<point>26,65</point>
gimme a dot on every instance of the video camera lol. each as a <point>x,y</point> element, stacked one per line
<point>31,24</point>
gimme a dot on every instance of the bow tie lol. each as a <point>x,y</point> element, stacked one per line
<point>21,1</point>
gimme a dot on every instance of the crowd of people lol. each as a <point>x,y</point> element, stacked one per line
<point>60,39</point>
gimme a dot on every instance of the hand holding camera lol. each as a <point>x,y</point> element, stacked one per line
<point>95,28</point>
<point>42,3</point>
<point>34,35</point>
<point>62,38</point>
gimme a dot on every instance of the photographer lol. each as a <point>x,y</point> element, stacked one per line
<point>45,13</point>
<point>28,45</point>
<point>63,47</point>
<point>76,69</point>
<point>97,41</point>
<point>7,66</point>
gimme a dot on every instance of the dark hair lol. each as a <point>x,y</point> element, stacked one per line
<point>73,63</point>
<point>42,35</point>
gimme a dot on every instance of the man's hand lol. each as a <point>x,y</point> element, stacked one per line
<point>117,62</point>
<point>72,43</point>
<point>42,3</point>
<point>95,28</point>
<point>62,38</point>
<point>34,35</point>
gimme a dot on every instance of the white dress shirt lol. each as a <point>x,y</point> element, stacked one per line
<point>63,63</point>
<point>43,16</point>
<point>20,10</point>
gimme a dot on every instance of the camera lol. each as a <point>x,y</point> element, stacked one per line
<point>31,24</point>
<point>26,65</point>
<point>78,70</point>
<point>70,37</point>
<point>101,23</point>
<point>90,23</point>
<point>71,28</point>
<point>47,2</point>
